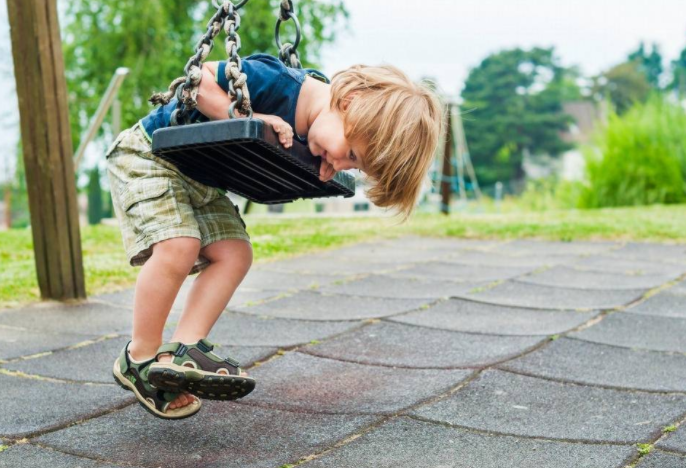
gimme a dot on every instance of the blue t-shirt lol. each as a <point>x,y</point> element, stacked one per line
<point>274,89</point>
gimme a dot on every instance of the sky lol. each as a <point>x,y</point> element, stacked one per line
<point>444,39</point>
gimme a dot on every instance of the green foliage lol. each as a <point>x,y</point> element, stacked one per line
<point>514,101</point>
<point>678,83</point>
<point>640,160</point>
<point>624,85</point>
<point>650,64</point>
<point>644,449</point>
<point>95,205</point>
<point>20,194</point>
<point>155,38</point>
<point>550,193</point>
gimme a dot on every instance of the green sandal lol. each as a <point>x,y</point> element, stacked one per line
<point>134,377</point>
<point>196,369</point>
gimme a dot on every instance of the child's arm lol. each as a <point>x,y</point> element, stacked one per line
<point>214,102</point>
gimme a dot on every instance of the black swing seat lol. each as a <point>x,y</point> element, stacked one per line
<point>244,156</point>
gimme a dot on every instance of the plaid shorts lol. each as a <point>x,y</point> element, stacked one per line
<point>153,201</point>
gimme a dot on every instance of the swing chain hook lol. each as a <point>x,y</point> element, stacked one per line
<point>288,53</point>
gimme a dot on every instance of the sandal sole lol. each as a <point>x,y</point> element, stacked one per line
<point>200,383</point>
<point>124,383</point>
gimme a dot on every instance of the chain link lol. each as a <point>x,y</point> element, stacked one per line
<point>185,88</point>
<point>288,53</point>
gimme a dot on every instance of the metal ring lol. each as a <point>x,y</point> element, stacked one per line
<point>217,4</point>
<point>277,36</point>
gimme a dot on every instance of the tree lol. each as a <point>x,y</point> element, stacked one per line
<point>514,102</point>
<point>678,83</point>
<point>95,208</point>
<point>155,38</point>
<point>650,64</point>
<point>624,85</point>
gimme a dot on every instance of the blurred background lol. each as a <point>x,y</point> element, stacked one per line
<point>553,105</point>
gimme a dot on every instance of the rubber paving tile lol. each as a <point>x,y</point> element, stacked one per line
<point>662,460</point>
<point>518,294</point>
<point>459,272</point>
<point>652,252</point>
<point>513,404</point>
<point>310,305</point>
<point>675,441</point>
<point>330,386</point>
<point>615,264</point>
<point>393,344</point>
<point>637,331</point>
<point>89,318</point>
<point>17,342</point>
<point>407,442</point>
<point>538,247</point>
<point>595,364</point>
<point>400,287</point>
<point>239,329</point>
<point>30,456</point>
<point>24,410</point>
<point>227,435</point>
<point>565,277</point>
<point>477,317</point>
<point>664,304</point>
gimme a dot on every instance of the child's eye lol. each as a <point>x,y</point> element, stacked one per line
<point>352,156</point>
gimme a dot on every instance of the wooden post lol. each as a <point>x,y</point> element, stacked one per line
<point>446,178</point>
<point>47,148</point>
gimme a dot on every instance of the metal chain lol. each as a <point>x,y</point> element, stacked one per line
<point>185,88</point>
<point>288,53</point>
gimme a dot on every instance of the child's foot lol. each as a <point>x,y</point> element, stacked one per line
<point>133,376</point>
<point>195,368</point>
<point>184,398</point>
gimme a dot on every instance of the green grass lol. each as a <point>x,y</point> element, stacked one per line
<point>274,238</point>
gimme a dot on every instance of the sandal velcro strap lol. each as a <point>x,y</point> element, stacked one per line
<point>169,348</point>
<point>205,346</point>
<point>183,349</point>
<point>232,362</point>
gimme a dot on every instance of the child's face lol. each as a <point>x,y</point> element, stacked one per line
<point>326,138</point>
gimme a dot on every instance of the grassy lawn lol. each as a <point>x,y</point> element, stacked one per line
<point>277,237</point>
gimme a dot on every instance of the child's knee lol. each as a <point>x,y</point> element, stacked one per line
<point>179,253</point>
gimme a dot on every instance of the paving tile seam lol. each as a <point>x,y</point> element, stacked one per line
<point>591,385</point>
<point>282,350</point>
<point>521,436</point>
<point>466,332</point>
<point>24,375</point>
<point>77,455</point>
<point>638,457</point>
<point>632,348</point>
<point>340,443</point>
<point>664,435</point>
<point>388,366</point>
<point>671,452</point>
<point>78,345</point>
<point>58,427</point>
<point>473,298</point>
<point>523,280</point>
<point>472,367</point>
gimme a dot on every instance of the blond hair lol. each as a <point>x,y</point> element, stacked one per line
<point>399,121</point>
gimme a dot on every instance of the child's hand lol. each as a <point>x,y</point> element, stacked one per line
<point>282,128</point>
<point>326,171</point>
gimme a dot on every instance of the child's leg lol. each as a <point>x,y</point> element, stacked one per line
<point>157,285</point>
<point>230,260</point>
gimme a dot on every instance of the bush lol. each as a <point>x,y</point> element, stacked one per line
<point>640,158</point>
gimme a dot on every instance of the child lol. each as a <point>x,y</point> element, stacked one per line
<point>370,118</point>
